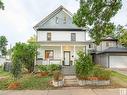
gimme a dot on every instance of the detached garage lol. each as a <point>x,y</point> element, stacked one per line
<point>112,58</point>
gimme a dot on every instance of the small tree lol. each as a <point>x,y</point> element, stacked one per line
<point>84,65</point>
<point>3,44</point>
<point>123,37</point>
<point>25,54</point>
<point>16,66</point>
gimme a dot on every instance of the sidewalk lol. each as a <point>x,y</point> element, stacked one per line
<point>66,92</point>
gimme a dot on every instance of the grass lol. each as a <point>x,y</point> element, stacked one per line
<point>120,76</point>
<point>27,81</point>
<point>119,79</point>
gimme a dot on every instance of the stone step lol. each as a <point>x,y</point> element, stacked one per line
<point>70,81</point>
<point>68,70</point>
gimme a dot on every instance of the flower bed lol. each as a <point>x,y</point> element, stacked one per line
<point>89,73</point>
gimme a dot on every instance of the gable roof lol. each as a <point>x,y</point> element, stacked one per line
<point>51,15</point>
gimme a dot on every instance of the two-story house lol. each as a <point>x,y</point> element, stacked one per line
<point>59,38</point>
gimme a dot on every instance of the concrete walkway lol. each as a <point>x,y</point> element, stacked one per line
<point>71,91</point>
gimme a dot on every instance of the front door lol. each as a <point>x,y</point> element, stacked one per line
<point>66,57</point>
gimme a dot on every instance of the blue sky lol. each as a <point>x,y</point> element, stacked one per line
<point>19,16</point>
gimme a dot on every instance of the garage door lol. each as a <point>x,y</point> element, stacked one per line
<point>118,61</point>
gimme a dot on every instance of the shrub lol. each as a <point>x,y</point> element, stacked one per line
<point>54,67</point>
<point>16,66</point>
<point>101,73</point>
<point>42,68</point>
<point>84,65</point>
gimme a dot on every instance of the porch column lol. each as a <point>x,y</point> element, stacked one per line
<point>61,54</point>
<point>74,55</point>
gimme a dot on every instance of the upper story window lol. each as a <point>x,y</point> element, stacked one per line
<point>65,19</point>
<point>57,20</point>
<point>48,36</point>
<point>73,36</point>
<point>107,44</point>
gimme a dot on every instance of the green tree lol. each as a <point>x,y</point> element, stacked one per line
<point>1,5</point>
<point>95,15</point>
<point>32,39</point>
<point>25,54</point>
<point>84,65</point>
<point>122,37</point>
<point>3,44</point>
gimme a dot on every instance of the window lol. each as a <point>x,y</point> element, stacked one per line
<point>57,20</point>
<point>73,36</point>
<point>49,54</point>
<point>48,36</point>
<point>107,44</point>
<point>90,46</point>
<point>65,20</point>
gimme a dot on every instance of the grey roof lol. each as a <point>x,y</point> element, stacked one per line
<point>114,50</point>
<point>43,21</point>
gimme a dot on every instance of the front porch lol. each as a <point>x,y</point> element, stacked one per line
<point>64,55</point>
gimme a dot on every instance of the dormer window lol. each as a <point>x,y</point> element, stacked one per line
<point>65,19</point>
<point>57,20</point>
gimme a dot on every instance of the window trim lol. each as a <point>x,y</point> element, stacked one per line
<point>50,51</point>
<point>73,36</point>
<point>49,36</point>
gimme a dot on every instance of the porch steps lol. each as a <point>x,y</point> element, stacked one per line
<point>68,70</point>
<point>70,81</point>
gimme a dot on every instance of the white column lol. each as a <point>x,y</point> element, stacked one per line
<point>61,54</point>
<point>74,55</point>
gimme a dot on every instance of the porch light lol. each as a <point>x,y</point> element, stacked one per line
<point>66,48</point>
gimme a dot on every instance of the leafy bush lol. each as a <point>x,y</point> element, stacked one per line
<point>85,69</point>
<point>101,73</point>
<point>42,68</point>
<point>54,67</point>
<point>25,54</point>
<point>16,68</point>
<point>84,65</point>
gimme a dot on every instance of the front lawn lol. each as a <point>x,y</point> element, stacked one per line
<point>119,79</point>
<point>28,81</point>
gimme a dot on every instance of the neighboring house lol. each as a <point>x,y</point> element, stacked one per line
<point>111,54</point>
<point>2,59</point>
<point>59,38</point>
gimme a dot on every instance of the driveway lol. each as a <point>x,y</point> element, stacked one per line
<point>67,92</point>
